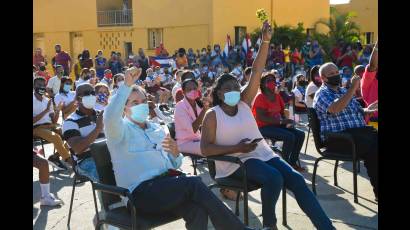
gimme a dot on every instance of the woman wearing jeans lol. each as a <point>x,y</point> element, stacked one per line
<point>268,110</point>
<point>227,129</point>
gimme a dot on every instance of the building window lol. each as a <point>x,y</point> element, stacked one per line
<point>240,33</point>
<point>368,37</point>
<point>154,38</point>
<point>310,31</point>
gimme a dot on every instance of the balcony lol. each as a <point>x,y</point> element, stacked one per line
<point>114,18</point>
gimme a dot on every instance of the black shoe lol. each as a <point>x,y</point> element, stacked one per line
<point>165,107</point>
<point>57,163</point>
<point>161,107</point>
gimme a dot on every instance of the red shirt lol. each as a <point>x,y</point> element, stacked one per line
<point>63,58</point>
<point>347,61</point>
<point>44,74</point>
<point>336,53</point>
<point>274,109</point>
<point>37,59</point>
<point>296,57</point>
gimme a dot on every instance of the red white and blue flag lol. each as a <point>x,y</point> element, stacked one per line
<point>246,44</point>
<point>163,62</point>
<point>226,48</point>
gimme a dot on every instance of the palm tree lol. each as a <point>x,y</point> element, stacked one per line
<point>341,26</point>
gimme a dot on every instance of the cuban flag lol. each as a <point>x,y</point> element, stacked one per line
<point>226,48</point>
<point>163,62</point>
<point>246,43</point>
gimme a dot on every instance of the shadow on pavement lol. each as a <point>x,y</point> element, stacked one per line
<point>41,221</point>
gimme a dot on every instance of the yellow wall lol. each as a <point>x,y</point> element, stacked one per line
<point>367,14</point>
<point>194,37</point>
<point>63,15</point>
<point>295,11</point>
<point>169,13</point>
<point>230,13</point>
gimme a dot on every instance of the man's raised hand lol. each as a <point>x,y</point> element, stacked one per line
<point>132,75</point>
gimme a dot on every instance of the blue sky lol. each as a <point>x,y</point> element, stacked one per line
<point>339,1</point>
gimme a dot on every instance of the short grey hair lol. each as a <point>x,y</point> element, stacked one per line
<point>137,88</point>
<point>325,66</point>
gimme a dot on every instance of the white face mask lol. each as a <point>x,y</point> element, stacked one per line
<point>89,101</point>
<point>120,83</point>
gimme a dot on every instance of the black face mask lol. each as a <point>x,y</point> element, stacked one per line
<point>334,80</point>
<point>42,68</point>
<point>40,90</point>
<point>87,77</point>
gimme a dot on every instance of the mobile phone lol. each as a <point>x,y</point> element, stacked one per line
<point>256,140</point>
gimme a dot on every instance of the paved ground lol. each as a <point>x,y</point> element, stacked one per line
<point>337,201</point>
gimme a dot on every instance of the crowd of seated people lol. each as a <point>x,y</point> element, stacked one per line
<point>218,109</point>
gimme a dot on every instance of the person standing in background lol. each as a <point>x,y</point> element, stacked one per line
<point>62,58</point>
<point>100,64</point>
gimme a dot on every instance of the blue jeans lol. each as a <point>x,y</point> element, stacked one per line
<point>187,197</point>
<point>292,140</point>
<point>271,175</point>
<point>87,168</point>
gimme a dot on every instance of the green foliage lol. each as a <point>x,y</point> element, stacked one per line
<point>262,15</point>
<point>285,35</point>
<point>340,26</point>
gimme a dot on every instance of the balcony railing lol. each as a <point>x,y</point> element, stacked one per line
<point>114,18</point>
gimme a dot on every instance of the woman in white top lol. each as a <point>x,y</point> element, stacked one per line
<point>315,83</point>
<point>299,92</point>
<point>67,96</point>
<point>118,81</point>
<point>103,93</point>
<point>85,76</point>
<point>229,128</point>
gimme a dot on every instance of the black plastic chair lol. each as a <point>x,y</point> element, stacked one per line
<point>240,186</point>
<point>121,217</point>
<point>194,158</point>
<point>78,179</point>
<point>328,155</point>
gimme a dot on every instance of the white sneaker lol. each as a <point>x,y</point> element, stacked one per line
<point>50,200</point>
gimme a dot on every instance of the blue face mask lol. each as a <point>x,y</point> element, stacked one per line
<point>67,88</point>
<point>139,113</point>
<point>232,98</point>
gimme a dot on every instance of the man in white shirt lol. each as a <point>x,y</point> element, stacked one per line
<point>53,86</point>
<point>66,96</point>
<point>315,83</point>
<point>45,117</point>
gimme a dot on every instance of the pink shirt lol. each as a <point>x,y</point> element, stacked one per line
<point>184,117</point>
<point>369,86</point>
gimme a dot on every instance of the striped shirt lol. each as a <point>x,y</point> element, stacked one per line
<point>352,116</point>
<point>79,125</point>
